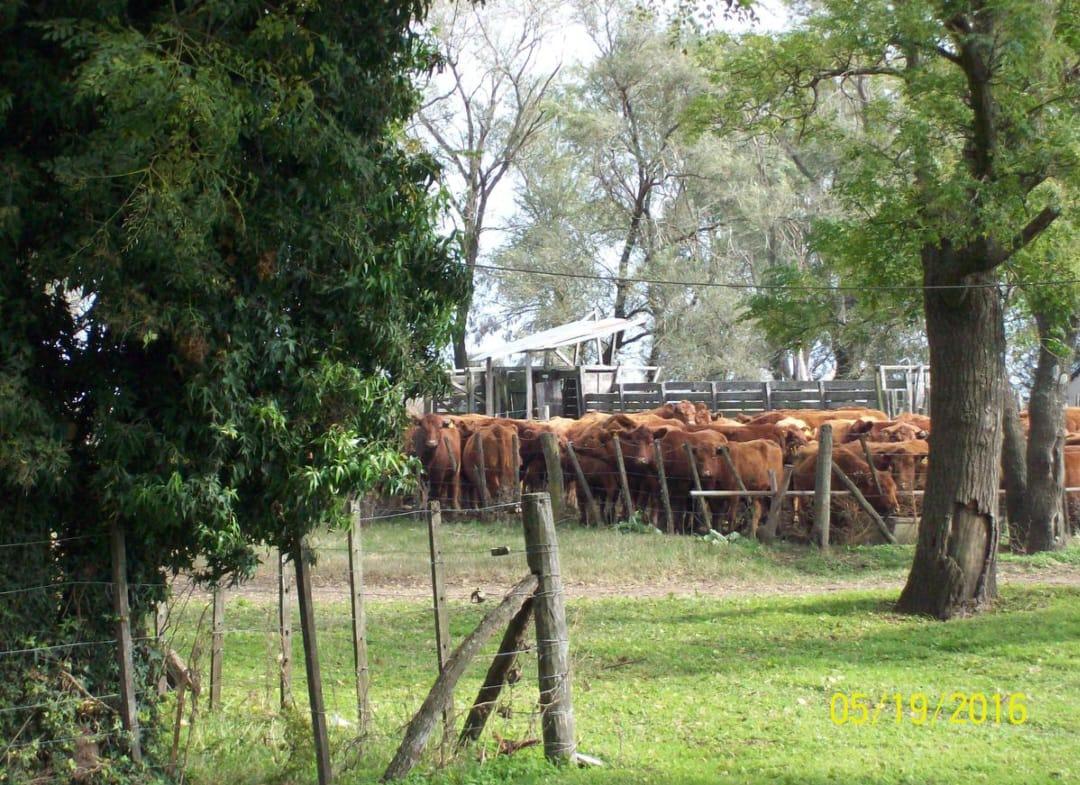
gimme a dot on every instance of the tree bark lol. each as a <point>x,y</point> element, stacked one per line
<point>622,286</point>
<point>954,568</point>
<point>1014,471</point>
<point>1046,444</point>
<point>471,248</point>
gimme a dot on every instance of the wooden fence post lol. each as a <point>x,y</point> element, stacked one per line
<point>528,387</point>
<point>552,463</point>
<point>217,646</point>
<point>161,615</point>
<point>624,484</point>
<point>470,391</point>
<point>767,533</point>
<point>481,474</point>
<point>592,510</point>
<point>725,453</point>
<point>359,618</point>
<point>703,506</point>
<point>285,586</point>
<point>489,388</point>
<point>515,453</point>
<point>552,635</point>
<point>301,556</point>
<point>129,714</point>
<point>665,496</point>
<point>438,597</point>
<point>823,488</point>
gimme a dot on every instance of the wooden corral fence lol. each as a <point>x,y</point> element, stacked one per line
<point>730,398</point>
<point>527,391</point>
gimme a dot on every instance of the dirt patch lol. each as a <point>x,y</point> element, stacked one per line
<point>263,589</point>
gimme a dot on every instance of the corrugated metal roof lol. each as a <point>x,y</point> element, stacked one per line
<point>563,335</point>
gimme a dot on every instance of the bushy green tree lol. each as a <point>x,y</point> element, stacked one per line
<point>221,278</point>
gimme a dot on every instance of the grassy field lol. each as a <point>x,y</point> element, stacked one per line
<point>669,687</point>
<point>395,555</point>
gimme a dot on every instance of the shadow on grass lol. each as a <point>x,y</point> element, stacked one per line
<point>860,631</point>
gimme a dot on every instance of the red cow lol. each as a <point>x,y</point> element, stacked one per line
<point>501,464</point>
<point>803,479</point>
<point>436,441</point>
<point>752,461</point>
<point>703,444</point>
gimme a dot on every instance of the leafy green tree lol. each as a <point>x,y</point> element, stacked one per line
<point>971,159</point>
<point>221,278</point>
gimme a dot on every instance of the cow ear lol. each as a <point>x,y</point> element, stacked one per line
<point>660,433</point>
<point>447,423</point>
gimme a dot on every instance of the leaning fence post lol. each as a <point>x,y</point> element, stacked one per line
<point>438,594</point>
<point>767,533</point>
<point>285,588</point>
<point>481,473</point>
<point>593,513</point>
<point>823,488</point>
<point>550,445</point>
<point>867,507</point>
<point>302,559</point>
<point>703,506</point>
<point>359,617</point>
<point>552,635</point>
<point>217,646</point>
<point>665,496</point>
<point>870,462</point>
<point>128,711</point>
<point>624,485</point>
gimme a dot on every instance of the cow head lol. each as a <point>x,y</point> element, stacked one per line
<point>430,427</point>
<point>637,444</point>
<point>794,439</point>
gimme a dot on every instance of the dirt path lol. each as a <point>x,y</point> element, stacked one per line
<point>263,589</point>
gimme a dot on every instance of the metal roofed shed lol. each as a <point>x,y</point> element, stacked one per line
<point>551,379</point>
<point>573,334</point>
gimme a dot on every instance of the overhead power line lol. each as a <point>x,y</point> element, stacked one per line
<point>765,286</point>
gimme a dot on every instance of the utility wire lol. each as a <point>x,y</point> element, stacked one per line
<point>765,286</point>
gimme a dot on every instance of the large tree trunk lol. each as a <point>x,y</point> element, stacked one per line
<point>1046,445</point>
<point>622,286</point>
<point>954,567</point>
<point>471,252</point>
<point>1014,472</point>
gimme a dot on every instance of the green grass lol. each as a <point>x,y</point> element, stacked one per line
<point>395,554</point>
<point>673,689</point>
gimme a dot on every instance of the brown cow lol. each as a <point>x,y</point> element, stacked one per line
<point>815,417</point>
<point>884,431</point>
<point>501,465</point>
<point>436,441</point>
<point>752,460</point>
<point>789,438</point>
<point>920,421</point>
<point>906,461</point>
<point>804,476</point>
<point>683,410</point>
<point>596,454</point>
<point>703,444</point>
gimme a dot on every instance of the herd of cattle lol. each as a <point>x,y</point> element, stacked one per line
<point>456,449</point>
